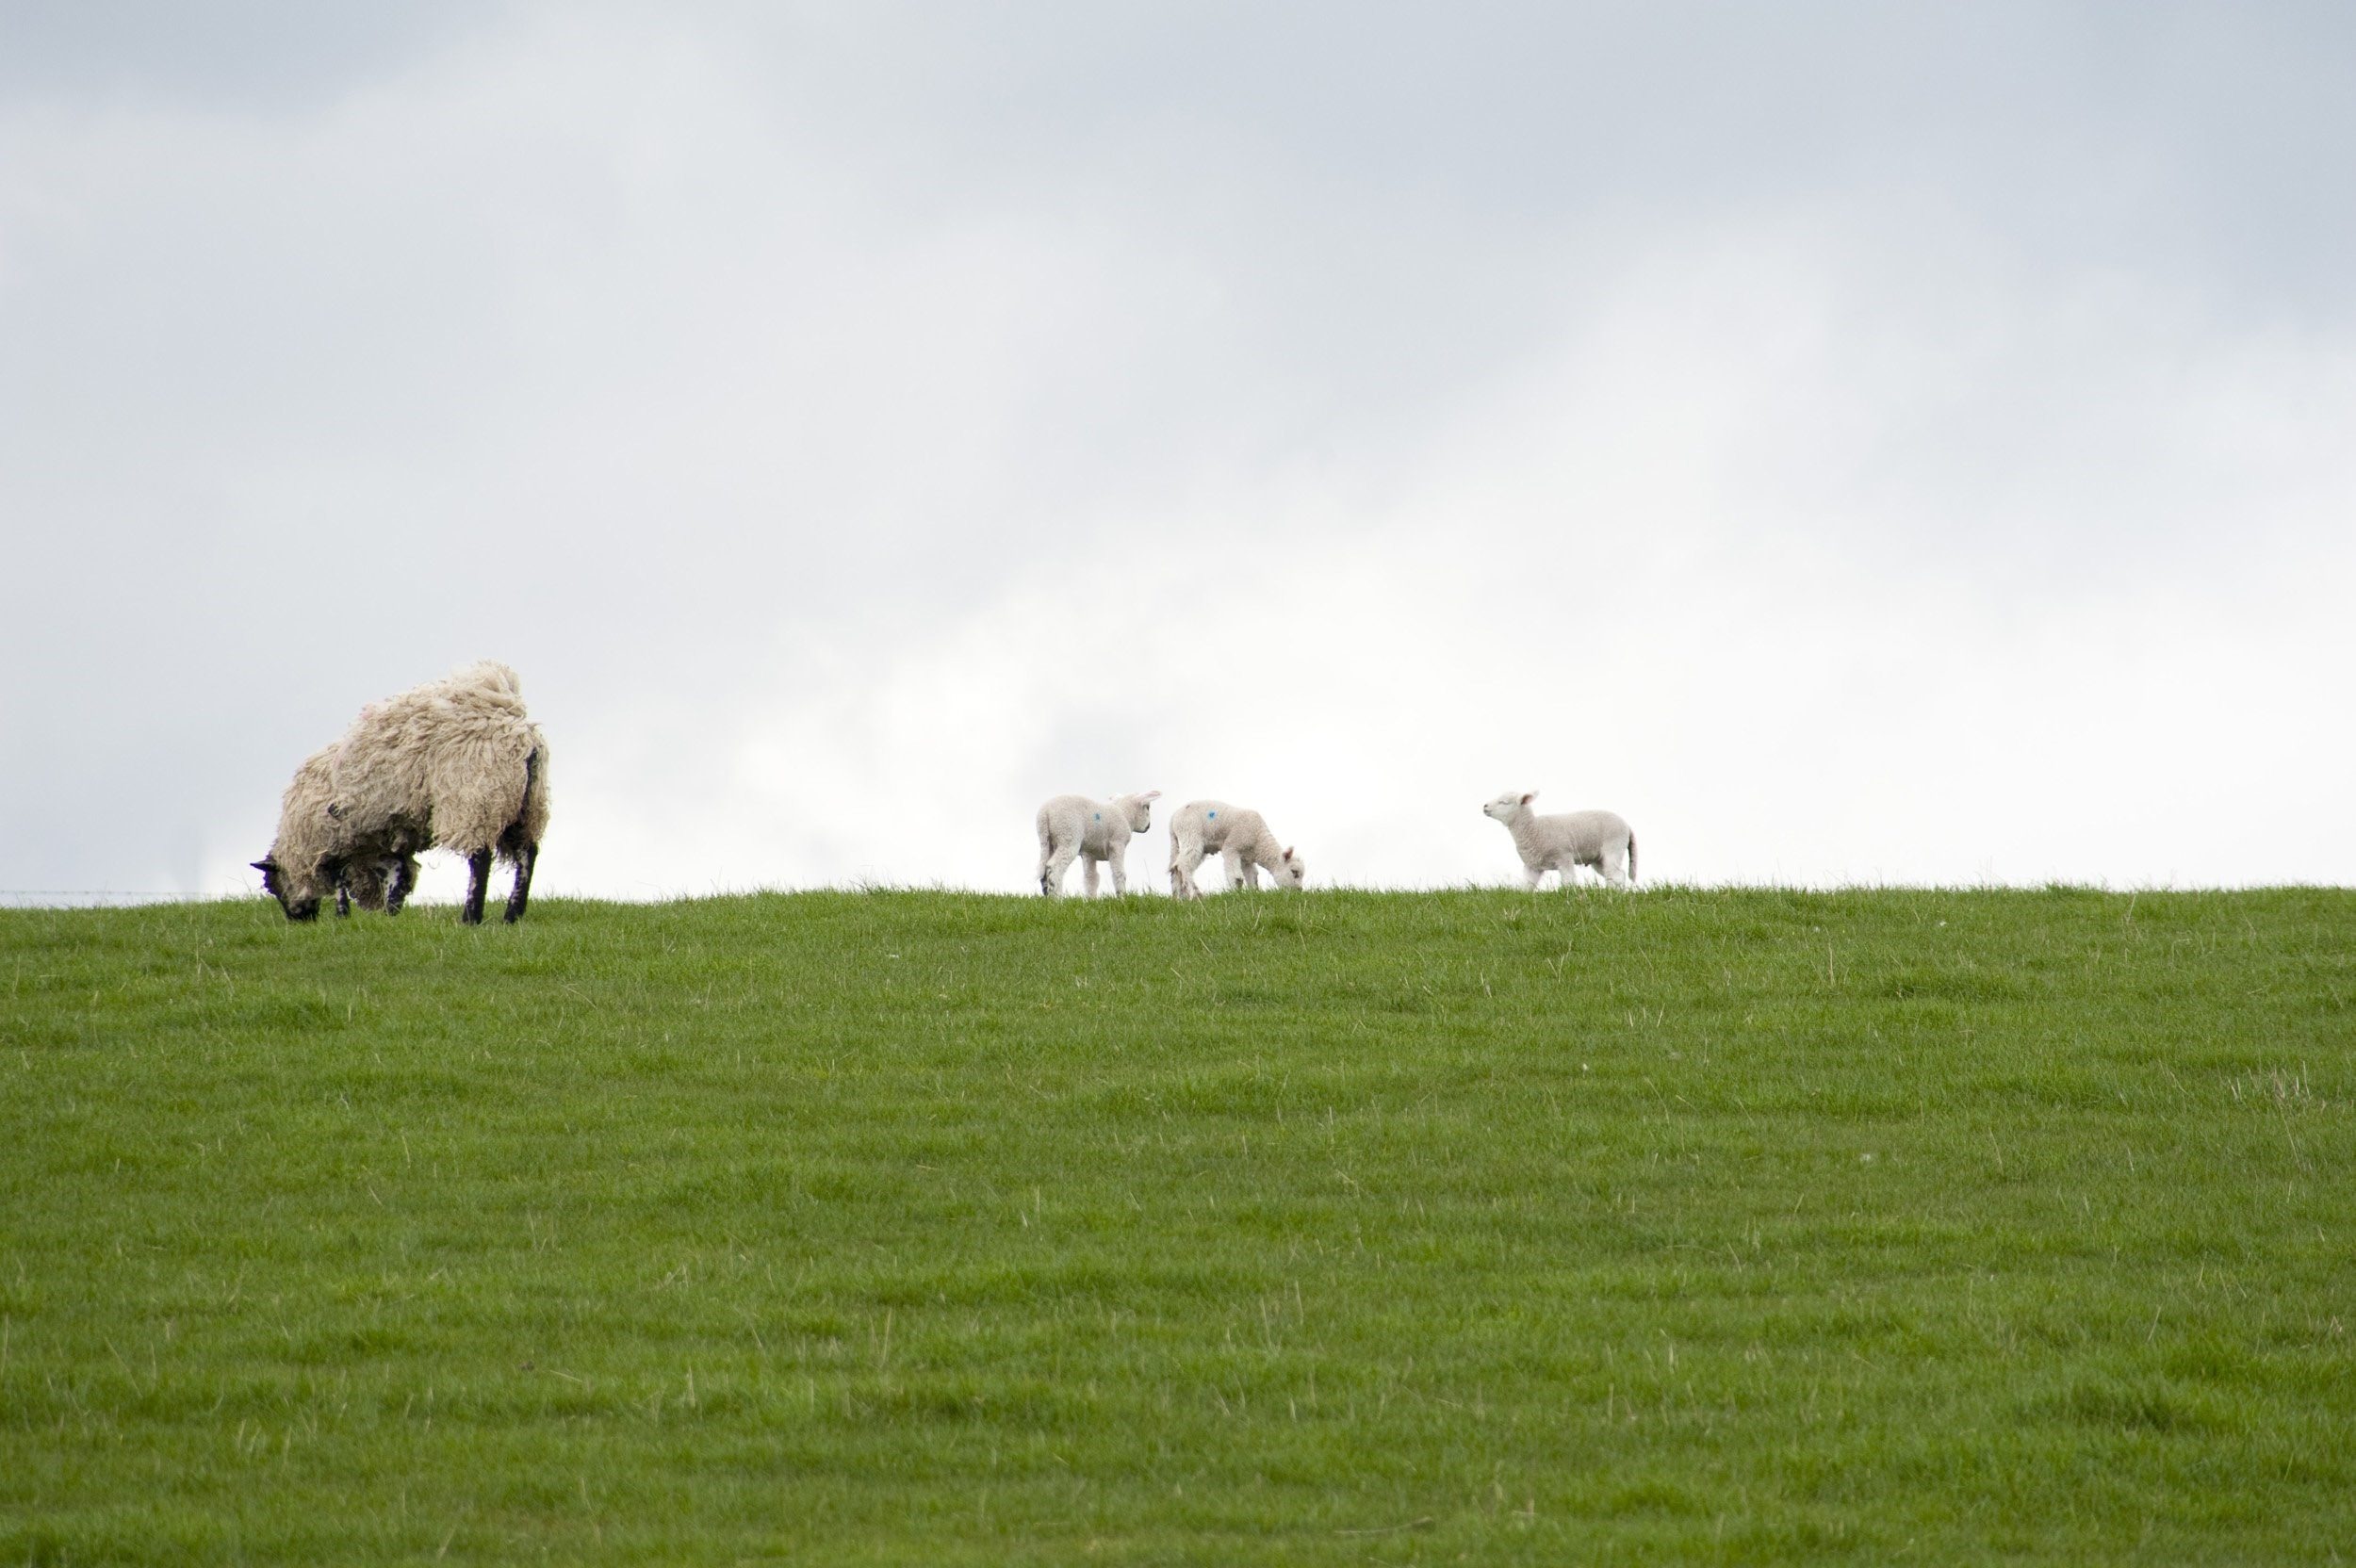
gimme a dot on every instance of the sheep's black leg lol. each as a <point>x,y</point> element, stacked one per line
<point>522,889</point>
<point>477,884</point>
<point>405,878</point>
<point>343,896</point>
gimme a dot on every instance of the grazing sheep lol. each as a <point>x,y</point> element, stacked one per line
<point>456,765</point>
<point>1555,843</point>
<point>1091,830</point>
<point>1240,835</point>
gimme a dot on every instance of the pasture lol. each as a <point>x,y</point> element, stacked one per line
<point>1698,1225</point>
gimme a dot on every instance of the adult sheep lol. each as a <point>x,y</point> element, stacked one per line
<point>1555,843</point>
<point>1092,831</point>
<point>1240,835</point>
<point>456,765</point>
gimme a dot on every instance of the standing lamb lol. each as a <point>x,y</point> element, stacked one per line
<point>1094,831</point>
<point>1240,835</point>
<point>456,765</point>
<point>1555,843</point>
<point>308,835</point>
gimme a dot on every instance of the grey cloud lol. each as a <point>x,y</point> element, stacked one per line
<point>704,362</point>
<point>240,56</point>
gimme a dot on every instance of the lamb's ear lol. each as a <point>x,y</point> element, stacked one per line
<point>1150,795</point>
<point>1529,795</point>
<point>1288,854</point>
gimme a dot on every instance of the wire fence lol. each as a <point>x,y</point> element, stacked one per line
<point>99,898</point>
<point>70,897</point>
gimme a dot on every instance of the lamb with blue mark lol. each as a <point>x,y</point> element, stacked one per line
<point>1240,837</point>
<point>1093,832</point>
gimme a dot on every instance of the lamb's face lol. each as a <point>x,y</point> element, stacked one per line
<point>1507,805</point>
<point>297,892</point>
<point>1141,809</point>
<point>1292,871</point>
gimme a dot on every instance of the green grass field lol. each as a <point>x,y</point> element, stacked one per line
<point>1341,1228</point>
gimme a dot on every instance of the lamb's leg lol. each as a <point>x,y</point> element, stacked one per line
<point>1613,865</point>
<point>477,884</point>
<point>405,878</point>
<point>1236,867</point>
<point>1051,880</point>
<point>1532,875</point>
<point>1120,874</point>
<point>518,894</point>
<point>1184,858</point>
<point>1087,874</point>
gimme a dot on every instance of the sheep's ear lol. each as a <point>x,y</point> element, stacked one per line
<point>1529,795</point>
<point>266,863</point>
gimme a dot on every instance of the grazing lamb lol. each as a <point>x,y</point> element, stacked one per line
<point>1094,831</point>
<point>456,765</point>
<point>1555,843</point>
<point>1240,835</point>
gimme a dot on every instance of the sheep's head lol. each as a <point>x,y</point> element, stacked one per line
<point>1141,809</point>
<point>1292,871</point>
<point>1510,804</point>
<point>298,893</point>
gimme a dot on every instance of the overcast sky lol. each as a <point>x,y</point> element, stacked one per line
<point>1855,442</point>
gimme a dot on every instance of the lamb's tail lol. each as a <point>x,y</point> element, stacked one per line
<point>1632,856</point>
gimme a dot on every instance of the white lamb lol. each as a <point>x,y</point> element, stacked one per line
<point>1092,831</point>
<point>1240,835</point>
<point>456,765</point>
<point>1555,843</point>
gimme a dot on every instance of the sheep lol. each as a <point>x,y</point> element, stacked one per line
<point>1555,843</point>
<point>1094,831</point>
<point>307,836</point>
<point>455,764</point>
<point>1240,836</point>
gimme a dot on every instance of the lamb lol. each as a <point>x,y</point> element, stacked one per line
<point>455,764</point>
<point>1241,838</point>
<point>306,835</point>
<point>1094,831</point>
<point>1555,843</point>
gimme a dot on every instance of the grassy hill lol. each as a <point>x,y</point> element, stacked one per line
<point>927,1227</point>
